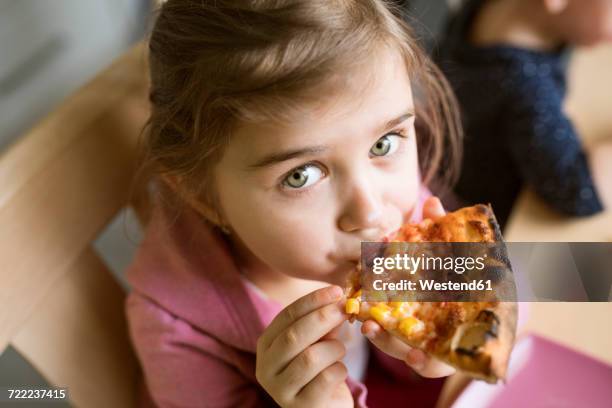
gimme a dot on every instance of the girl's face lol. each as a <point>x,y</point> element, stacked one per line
<point>299,198</point>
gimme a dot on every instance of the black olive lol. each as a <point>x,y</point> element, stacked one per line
<point>492,331</point>
<point>467,352</point>
<point>490,318</point>
<point>487,316</point>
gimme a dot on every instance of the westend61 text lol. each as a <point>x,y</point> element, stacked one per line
<point>429,285</point>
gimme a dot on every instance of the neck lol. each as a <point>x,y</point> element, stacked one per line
<point>524,24</point>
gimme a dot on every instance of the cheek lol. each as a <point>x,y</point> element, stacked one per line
<point>290,238</point>
<point>402,188</point>
<point>292,247</point>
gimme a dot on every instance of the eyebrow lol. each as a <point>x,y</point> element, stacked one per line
<point>275,158</point>
<point>398,120</point>
<point>280,157</point>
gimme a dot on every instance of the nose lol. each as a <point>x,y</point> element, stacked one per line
<point>363,211</point>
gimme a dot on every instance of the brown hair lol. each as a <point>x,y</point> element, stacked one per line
<point>215,63</point>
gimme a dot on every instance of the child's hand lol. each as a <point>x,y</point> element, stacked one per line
<point>416,359</point>
<point>298,360</point>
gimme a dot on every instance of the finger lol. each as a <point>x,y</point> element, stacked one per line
<point>384,341</point>
<point>334,333</point>
<point>309,363</point>
<point>301,334</point>
<point>416,359</point>
<point>296,310</point>
<point>425,366</point>
<point>433,209</point>
<point>319,391</point>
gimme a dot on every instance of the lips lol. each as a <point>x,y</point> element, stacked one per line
<point>354,255</point>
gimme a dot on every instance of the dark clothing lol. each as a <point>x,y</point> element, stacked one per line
<point>515,130</point>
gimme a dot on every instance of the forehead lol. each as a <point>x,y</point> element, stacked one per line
<point>361,102</point>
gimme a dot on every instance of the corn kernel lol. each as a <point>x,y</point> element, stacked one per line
<point>398,312</point>
<point>379,314</point>
<point>397,304</point>
<point>357,294</point>
<point>383,306</point>
<point>352,306</point>
<point>407,325</point>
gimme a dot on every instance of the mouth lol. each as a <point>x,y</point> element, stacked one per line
<point>349,264</point>
<point>354,258</point>
<point>352,254</point>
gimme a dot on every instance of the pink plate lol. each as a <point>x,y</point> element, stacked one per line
<point>544,374</point>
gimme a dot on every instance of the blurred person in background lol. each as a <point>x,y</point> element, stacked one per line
<point>505,60</point>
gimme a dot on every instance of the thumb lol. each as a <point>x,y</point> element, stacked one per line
<point>383,340</point>
<point>428,367</point>
<point>432,208</point>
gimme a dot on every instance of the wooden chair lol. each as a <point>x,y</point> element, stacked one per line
<point>60,185</point>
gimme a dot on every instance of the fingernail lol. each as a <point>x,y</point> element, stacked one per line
<point>418,366</point>
<point>370,334</point>
<point>415,360</point>
<point>336,292</point>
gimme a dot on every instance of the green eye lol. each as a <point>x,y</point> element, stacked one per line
<point>304,176</point>
<point>385,145</point>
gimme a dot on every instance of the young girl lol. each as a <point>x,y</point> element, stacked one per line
<point>282,134</point>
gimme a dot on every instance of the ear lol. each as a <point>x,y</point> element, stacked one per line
<point>555,6</point>
<point>206,210</point>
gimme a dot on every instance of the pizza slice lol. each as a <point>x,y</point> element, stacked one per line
<point>475,337</point>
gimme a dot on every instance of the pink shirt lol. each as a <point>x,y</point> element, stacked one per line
<point>194,323</point>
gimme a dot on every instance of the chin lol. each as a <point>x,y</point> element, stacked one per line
<point>334,275</point>
<point>341,274</point>
<point>335,279</point>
